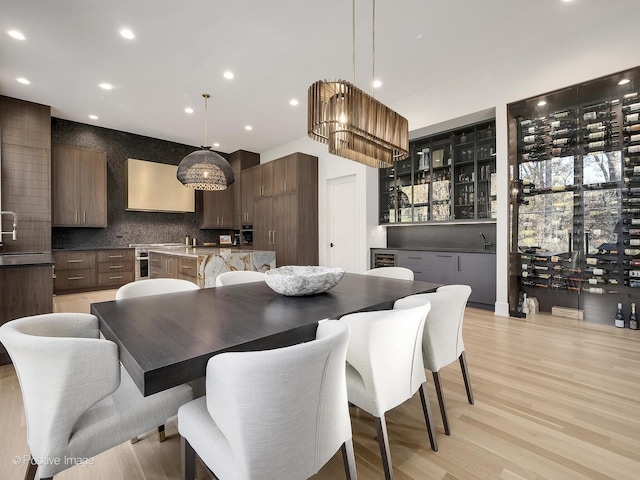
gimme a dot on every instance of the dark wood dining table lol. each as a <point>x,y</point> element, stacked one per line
<point>166,340</point>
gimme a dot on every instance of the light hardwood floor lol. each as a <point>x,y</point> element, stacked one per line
<point>556,399</point>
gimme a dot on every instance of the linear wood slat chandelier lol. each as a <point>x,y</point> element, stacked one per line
<point>354,124</point>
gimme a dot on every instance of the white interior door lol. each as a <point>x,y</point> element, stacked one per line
<point>342,228</point>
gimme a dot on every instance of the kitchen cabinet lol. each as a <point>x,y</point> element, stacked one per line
<point>247,197</point>
<point>225,209</point>
<point>478,270</point>
<point>263,180</point>
<point>421,263</point>
<point>92,269</point>
<point>286,221</point>
<point>115,267</point>
<point>74,270</point>
<point>162,265</point>
<point>79,187</point>
<point>188,269</point>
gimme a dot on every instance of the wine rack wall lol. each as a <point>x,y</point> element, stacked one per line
<point>447,177</point>
<point>576,196</point>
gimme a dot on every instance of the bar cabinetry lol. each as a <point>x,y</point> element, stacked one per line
<point>447,177</point>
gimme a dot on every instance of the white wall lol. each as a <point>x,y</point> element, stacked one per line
<point>564,62</point>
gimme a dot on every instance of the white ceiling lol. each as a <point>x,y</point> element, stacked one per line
<point>276,48</point>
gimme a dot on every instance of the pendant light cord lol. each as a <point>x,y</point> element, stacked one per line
<point>353,38</point>
<point>206,97</point>
<point>373,42</point>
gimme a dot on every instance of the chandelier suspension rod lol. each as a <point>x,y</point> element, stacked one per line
<point>353,38</point>
<point>206,97</point>
<point>373,42</point>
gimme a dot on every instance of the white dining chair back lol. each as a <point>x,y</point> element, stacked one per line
<point>154,286</point>
<point>78,400</point>
<point>238,276</point>
<point>442,340</point>
<point>384,366</point>
<point>278,414</point>
<point>400,273</point>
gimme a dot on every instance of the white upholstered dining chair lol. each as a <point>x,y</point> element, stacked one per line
<point>400,273</point>
<point>442,340</point>
<point>238,276</point>
<point>154,286</point>
<point>277,414</point>
<point>78,399</point>
<point>384,367</point>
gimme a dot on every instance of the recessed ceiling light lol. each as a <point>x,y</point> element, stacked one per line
<point>248,127</point>
<point>216,144</point>
<point>16,34</point>
<point>419,36</point>
<point>105,86</point>
<point>188,110</point>
<point>23,80</point>
<point>293,102</point>
<point>542,103</point>
<point>228,75</point>
<point>128,34</point>
<point>377,84</point>
<point>93,117</point>
<point>624,81</point>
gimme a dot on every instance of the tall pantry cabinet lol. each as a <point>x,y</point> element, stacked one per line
<point>286,209</point>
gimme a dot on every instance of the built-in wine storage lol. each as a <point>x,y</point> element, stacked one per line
<point>575,171</point>
<point>447,177</point>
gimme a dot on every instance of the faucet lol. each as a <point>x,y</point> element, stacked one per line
<point>486,244</point>
<point>14,232</point>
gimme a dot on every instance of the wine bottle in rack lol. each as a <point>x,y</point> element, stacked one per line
<point>619,318</point>
<point>632,252</point>
<point>598,290</point>
<point>630,98</point>
<point>562,114</point>
<point>635,170</point>
<point>634,232</point>
<point>633,319</point>
<point>632,273</point>
<point>560,142</point>
<point>601,115</point>
<point>606,251</point>
<point>632,118</point>
<point>601,145</point>
<point>533,138</point>
<point>631,107</point>
<point>631,128</point>
<point>632,242</point>
<point>631,263</point>
<point>631,221</point>
<point>596,126</point>
<point>632,283</point>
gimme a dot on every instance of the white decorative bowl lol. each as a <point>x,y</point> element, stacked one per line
<point>294,281</point>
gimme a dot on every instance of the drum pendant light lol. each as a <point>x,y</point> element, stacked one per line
<point>204,169</point>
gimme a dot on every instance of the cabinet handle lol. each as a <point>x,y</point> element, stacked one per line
<point>75,261</point>
<point>75,278</point>
<point>415,258</point>
<point>115,267</point>
<point>274,237</point>
<point>76,217</point>
<point>155,260</point>
<point>186,266</point>
<point>116,256</point>
<point>115,277</point>
<point>458,262</point>
<point>84,216</point>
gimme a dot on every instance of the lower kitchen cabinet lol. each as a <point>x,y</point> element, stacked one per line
<point>188,269</point>
<point>92,269</point>
<point>478,270</point>
<point>162,265</point>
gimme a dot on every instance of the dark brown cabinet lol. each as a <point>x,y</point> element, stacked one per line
<point>162,265</point>
<point>247,197</point>
<point>92,269</point>
<point>286,221</point>
<point>79,187</point>
<point>225,209</point>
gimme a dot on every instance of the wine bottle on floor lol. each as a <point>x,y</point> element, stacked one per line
<point>633,320</point>
<point>619,320</point>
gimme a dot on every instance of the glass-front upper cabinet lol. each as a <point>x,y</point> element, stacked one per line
<point>447,177</point>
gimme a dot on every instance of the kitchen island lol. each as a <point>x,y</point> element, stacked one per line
<point>202,265</point>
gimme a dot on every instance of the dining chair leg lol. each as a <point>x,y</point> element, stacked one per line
<point>349,459</point>
<point>385,452</point>
<point>188,460</point>
<point>426,408</point>
<point>465,376</point>
<point>162,436</point>
<point>443,408</point>
<point>32,468</point>
<point>135,440</point>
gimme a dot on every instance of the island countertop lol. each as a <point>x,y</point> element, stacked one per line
<point>25,259</point>
<point>194,252</point>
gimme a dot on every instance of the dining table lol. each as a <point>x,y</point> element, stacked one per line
<point>166,340</point>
